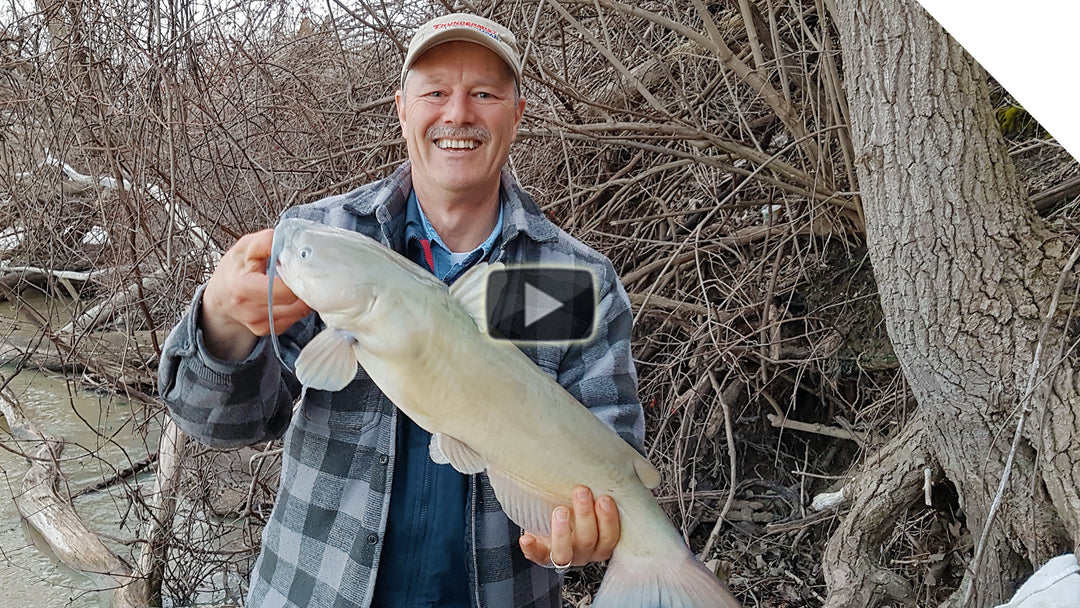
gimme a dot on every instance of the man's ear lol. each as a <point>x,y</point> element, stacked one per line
<point>399,101</point>
<point>519,114</point>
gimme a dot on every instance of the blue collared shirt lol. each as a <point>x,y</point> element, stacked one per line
<point>436,256</point>
<point>423,561</point>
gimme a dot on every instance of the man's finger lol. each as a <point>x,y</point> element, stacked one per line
<point>607,521</point>
<point>257,245</point>
<point>285,315</point>
<point>562,544</point>
<point>283,296</point>
<point>585,532</point>
<point>534,549</point>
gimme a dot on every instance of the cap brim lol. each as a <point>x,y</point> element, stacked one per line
<point>460,35</point>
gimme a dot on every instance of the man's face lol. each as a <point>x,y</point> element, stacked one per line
<point>459,114</point>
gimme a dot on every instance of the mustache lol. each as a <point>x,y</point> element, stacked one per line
<point>449,132</point>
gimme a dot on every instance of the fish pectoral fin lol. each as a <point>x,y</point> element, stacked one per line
<point>470,289</point>
<point>327,362</point>
<point>647,473</point>
<point>444,449</point>
<point>526,505</point>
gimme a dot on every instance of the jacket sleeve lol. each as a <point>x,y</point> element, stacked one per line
<point>600,372</point>
<point>227,404</point>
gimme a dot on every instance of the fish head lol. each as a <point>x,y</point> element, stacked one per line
<point>353,281</point>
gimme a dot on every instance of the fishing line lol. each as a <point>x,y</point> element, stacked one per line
<point>271,271</point>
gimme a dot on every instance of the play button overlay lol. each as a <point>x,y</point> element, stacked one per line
<point>540,304</point>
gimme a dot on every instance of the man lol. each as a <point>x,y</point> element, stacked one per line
<point>363,517</point>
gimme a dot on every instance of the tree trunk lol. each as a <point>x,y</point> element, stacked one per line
<point>966,273</point>
<point>158,529</point>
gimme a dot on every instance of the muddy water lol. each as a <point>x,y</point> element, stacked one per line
<point>28,576</point>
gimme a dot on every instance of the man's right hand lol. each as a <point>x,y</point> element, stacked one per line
<point>234,306</point>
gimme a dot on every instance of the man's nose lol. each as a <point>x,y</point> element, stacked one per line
<point>458,109</point>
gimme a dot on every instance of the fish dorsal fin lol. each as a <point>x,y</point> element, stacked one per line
<point>328,362</point>
<point>444,449</point>
<point>646,472</point>
<point>469,290</point>
<point>526,505</point>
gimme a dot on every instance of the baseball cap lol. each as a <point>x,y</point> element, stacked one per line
<point>468,28</point>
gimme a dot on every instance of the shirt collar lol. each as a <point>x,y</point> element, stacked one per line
<point>387,198</point>
<point>415,215</point>
<point>419,232</point>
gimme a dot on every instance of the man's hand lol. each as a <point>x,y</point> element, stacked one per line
<point>588,534</point>
<point>234,307</point>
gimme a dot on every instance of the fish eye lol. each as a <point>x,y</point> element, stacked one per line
<point>304,253</point>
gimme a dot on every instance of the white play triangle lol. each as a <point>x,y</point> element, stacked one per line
<point>538,304</point>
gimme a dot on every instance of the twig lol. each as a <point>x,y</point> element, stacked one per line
<point>117,477</point>
<point>606,52</point>
<point>732,462</point>
<point>799,524</point>
<point>783,422</point>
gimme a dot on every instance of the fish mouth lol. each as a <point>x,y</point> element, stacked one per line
<point>285,234</point>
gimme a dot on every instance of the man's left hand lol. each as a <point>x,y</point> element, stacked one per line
<point>586,534</point>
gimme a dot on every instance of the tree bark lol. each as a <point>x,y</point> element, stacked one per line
<point>965,270</point>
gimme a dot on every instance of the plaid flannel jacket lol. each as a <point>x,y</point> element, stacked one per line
<point>321,546</point>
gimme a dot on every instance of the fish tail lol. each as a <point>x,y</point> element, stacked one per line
<point>681,581</point>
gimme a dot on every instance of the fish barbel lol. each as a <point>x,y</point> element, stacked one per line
<point>487,405</point>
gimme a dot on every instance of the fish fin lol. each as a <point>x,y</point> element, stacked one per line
<point>646,472</point>
<point>327,362</point>
<point>525,504</point>
<point>470,290</point>
<point>444,449</point>
<point>681,581</point>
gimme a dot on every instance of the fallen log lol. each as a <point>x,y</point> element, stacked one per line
<point>16,281</point>
<point>109,308</point>
<point>40,505</point>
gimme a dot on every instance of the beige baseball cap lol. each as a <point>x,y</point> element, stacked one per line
<point>468,28</point>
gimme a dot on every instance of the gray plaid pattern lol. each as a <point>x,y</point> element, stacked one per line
<point>321,546</point>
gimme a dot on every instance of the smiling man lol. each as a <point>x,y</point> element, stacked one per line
<point>459,109</point>
<point>363,516</point>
